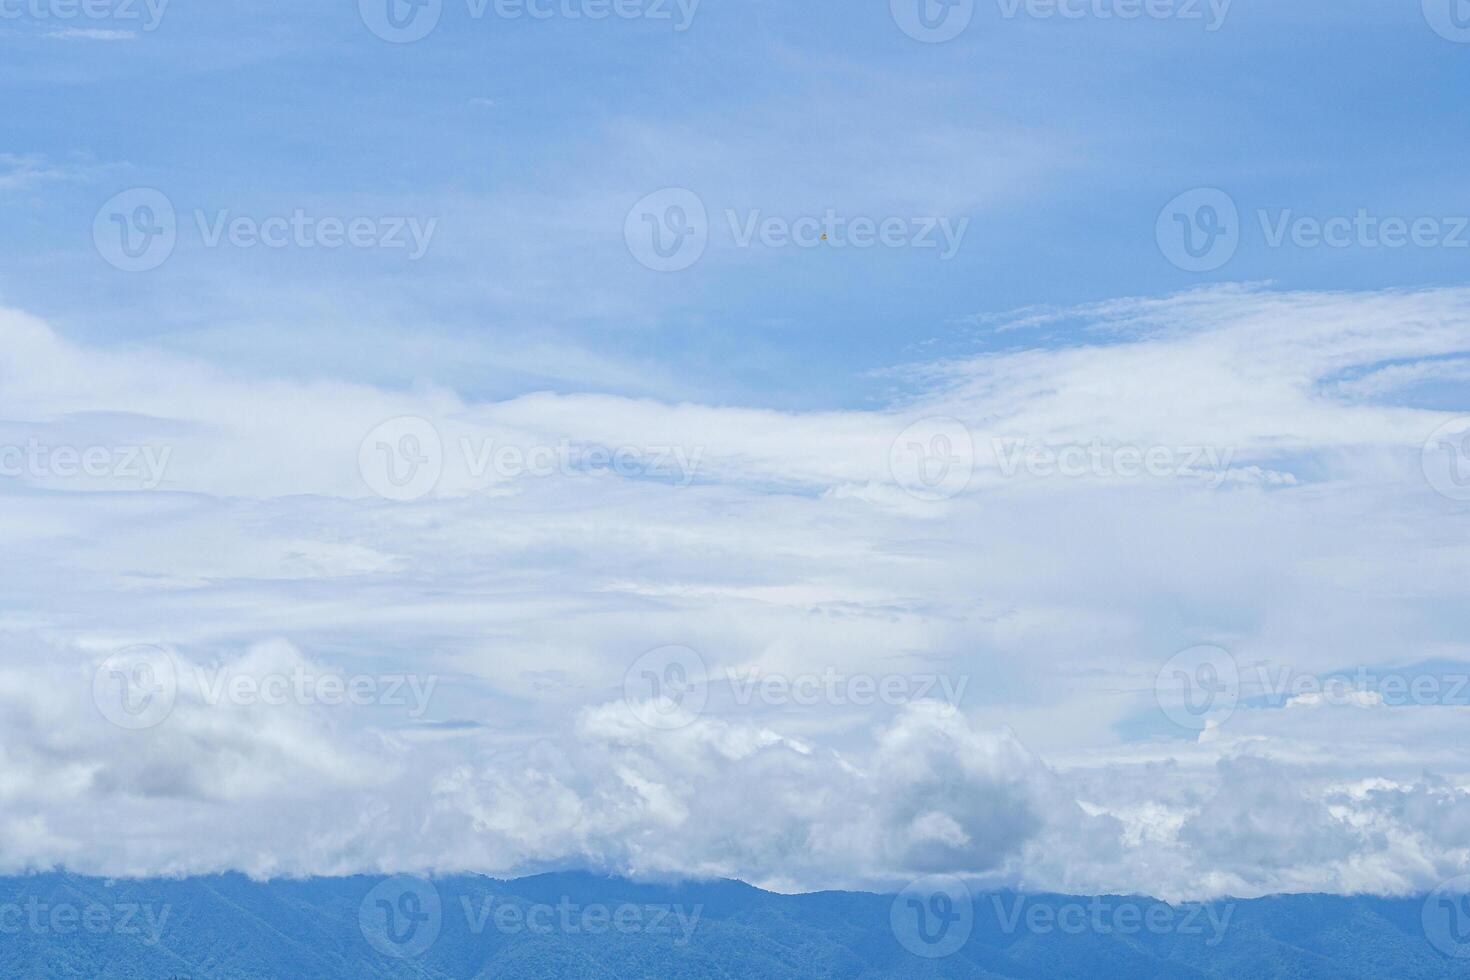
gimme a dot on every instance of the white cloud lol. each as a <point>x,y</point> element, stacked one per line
<point>793,551</point>
<point>92,34</point>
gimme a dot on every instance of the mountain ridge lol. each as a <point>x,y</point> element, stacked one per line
<point>591,926</point>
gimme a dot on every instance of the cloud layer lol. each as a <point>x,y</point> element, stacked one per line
<point>1238,467</point>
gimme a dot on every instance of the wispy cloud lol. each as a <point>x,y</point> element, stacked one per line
<point>777,542</point>
<point>92,34</point>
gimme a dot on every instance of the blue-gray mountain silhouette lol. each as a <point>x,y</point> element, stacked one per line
<point>229,926</point>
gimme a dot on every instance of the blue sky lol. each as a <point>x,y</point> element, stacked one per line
<point>1058,139</point>
<point>1106,423</point>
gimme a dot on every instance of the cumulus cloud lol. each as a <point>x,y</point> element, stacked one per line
<point>235,524</point>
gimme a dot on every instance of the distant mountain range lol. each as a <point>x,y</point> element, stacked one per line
<point>584,927</point>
